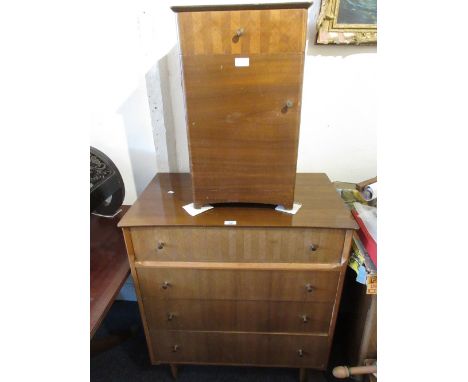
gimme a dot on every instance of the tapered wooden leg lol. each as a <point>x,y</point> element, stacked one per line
<point>302,374</point>
<point>173,370</point>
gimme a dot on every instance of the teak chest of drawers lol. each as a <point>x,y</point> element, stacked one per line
<point>242,73</point>
<point>262,292</point>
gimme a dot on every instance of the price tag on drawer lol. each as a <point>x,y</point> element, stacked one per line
<point>241,61</point>
<point>230,222</point>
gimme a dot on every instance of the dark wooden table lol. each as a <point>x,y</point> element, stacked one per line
<point>109,265</point>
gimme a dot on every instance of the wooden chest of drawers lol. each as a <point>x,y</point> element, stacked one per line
<point>263,292</point>
<point>242,72</point>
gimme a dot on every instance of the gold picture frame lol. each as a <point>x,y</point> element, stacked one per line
<point>331,31</point>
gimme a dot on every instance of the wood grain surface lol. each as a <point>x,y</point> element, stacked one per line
<point>264,31</point>
<point>235,315</point>
<point>249,285</point>
<point>241,348</point>
<point>243,121</point>
<point>242,139</point>
<point>231,288</point>
<point>131,260</point>
<point>321,207</point>
<point>108,266</point>
<point>211,265</point>
<point>303,245</point>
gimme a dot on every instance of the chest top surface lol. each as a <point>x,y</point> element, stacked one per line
<point>321,206</point>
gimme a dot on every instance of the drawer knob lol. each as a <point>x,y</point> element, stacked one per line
<point>313,247</point>
<point>170,316</point>
<point>305,318</point>
<point>161,244</point>
<point>300,353</point>
<point>288,105</point>
<point>166,284</point>
<point>309,288</point>
<point>175,348</point>
<point>238,33</point>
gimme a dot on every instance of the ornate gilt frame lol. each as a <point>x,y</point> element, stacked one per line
<point>330,32</point>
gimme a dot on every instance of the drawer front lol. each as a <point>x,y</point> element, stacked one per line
<point>261,31</point>
<point>240,348</point>
<point>238,244</point>
<point>266,78</point>
<point>251,285</point>
<point>243,316</point>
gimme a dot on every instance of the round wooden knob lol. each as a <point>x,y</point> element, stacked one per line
<point>288,105</point>
<point>165,284</point>
<point>238,33</point>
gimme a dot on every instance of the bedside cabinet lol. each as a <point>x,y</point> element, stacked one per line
<point>242,74</point>
<point>264,291</point>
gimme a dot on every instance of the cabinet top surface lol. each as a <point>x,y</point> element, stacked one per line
<point>235,7</point>
<point>321,206</point>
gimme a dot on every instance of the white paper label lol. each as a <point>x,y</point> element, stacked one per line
<point>292,211</point>
<point>230,222</point>
<point>190,208</point>
<point>241,61</point>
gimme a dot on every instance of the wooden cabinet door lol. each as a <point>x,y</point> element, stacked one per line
<point>243,127</point>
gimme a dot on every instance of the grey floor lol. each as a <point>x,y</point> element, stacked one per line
<point>128,361</point>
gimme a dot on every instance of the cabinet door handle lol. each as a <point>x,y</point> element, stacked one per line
<point>161,244</point>
<point>238,33</point>
<point>175,348</point>
<point>305,318</point>
<point>170,316</point>
<point>313,247</point>
<point>288,105</point>
<point>166,284</point>
<point>300,353</point>
<point>309,287</point>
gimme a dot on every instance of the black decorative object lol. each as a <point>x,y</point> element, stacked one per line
<point>106,184</point>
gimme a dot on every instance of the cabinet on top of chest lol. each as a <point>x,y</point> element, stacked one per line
<point>242,73</point>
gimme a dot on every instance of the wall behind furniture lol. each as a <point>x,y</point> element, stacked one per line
<point>338,133</point>
<point>138,101</point>
<point>120,123</point>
